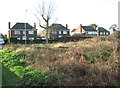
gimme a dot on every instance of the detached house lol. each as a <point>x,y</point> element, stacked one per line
<point>90,31</point>
<point>23,31</point>
<point>56,31</point>
<point>112,31</point>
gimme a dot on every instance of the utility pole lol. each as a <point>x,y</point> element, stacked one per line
<point>25,28</point>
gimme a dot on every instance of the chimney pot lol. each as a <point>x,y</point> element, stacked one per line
<point>66,26</point>
<point>98,32</point>
<point>34,25</point>
<point>80,28</point>
<point>9,25</point>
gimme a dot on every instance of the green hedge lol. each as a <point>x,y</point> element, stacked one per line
<point>67,39</point>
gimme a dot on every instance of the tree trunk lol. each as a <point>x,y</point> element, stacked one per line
<point>47,32</point>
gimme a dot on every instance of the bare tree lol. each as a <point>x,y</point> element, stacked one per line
<point>44,14</point>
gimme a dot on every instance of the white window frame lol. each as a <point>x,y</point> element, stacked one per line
<point>91,32</point>
<point>106,33</point>
<point>59,36</point>
<point>55,32</point>
<point>101,33</point>
<point>60,32</point>
<point>31,38</point>
<point>18,38</point>
<point>31,32</point>
<point>24,38</point>
<point>24,32</point>
<point>64,32</point>
<point>17,32</point>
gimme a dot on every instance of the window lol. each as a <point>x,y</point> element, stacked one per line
<point>54,32</point>
<point>100,33</point>
<point>24,38</point>
<point>64,32</point>
<point>23,32</point>
<point>17,32</point>
<point>31,38</point>
<point>91,32</point>
<point>59,32</point>
<point>31,32</point>
<point>60,36</point>
<point>106,33</point>
<point>18,38</point>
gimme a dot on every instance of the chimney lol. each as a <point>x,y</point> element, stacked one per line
<point>80,28</point>
<point>66,26</point>
<point>98,32</point>
<point>34,25</point>
<point>95,27</point>
<point>9,24</point>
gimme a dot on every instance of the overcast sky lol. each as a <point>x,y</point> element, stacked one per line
<point>104,13</point>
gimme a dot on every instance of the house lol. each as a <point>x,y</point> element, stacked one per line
<point>1,36</point>
<point>112,30</point>
<point>23,31</point>
<point>102,31</point>
<point>56,31</point>
<point>90,31</point>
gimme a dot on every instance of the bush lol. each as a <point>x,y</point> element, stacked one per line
<point>12,40</point>
<point>29,76</point>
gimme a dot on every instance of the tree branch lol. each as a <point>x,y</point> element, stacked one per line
<point>42,26</point>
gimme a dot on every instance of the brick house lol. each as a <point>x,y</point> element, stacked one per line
<point>19,30</point>
<point>112,31</point>
<point>90,31</point>
<point>56,31</point>
<point>2,36</point>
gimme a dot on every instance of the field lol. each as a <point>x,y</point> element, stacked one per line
<point>90,62</point>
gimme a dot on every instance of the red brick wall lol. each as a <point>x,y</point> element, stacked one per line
<point>21,34</point>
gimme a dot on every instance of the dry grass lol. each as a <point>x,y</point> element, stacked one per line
<point>71,60</point>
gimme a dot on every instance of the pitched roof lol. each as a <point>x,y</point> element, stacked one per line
<point>101,29</point>
<point>22,26</point>
<point>73,30</point>
<point>57,27</point>
<point>1,35</point>
<point>88,28</point>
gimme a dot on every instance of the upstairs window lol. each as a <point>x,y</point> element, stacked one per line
<point>17,32</point>
<point>23,32</point>
<point>91,32</point>
<point>101,33</point>
<point>106,33</point>
<point>64,32</point>
<point>59,32</point>
<point>31,32</point>
<point>54,32</point>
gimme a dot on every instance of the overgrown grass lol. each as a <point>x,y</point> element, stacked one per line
<point>92,62</point>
